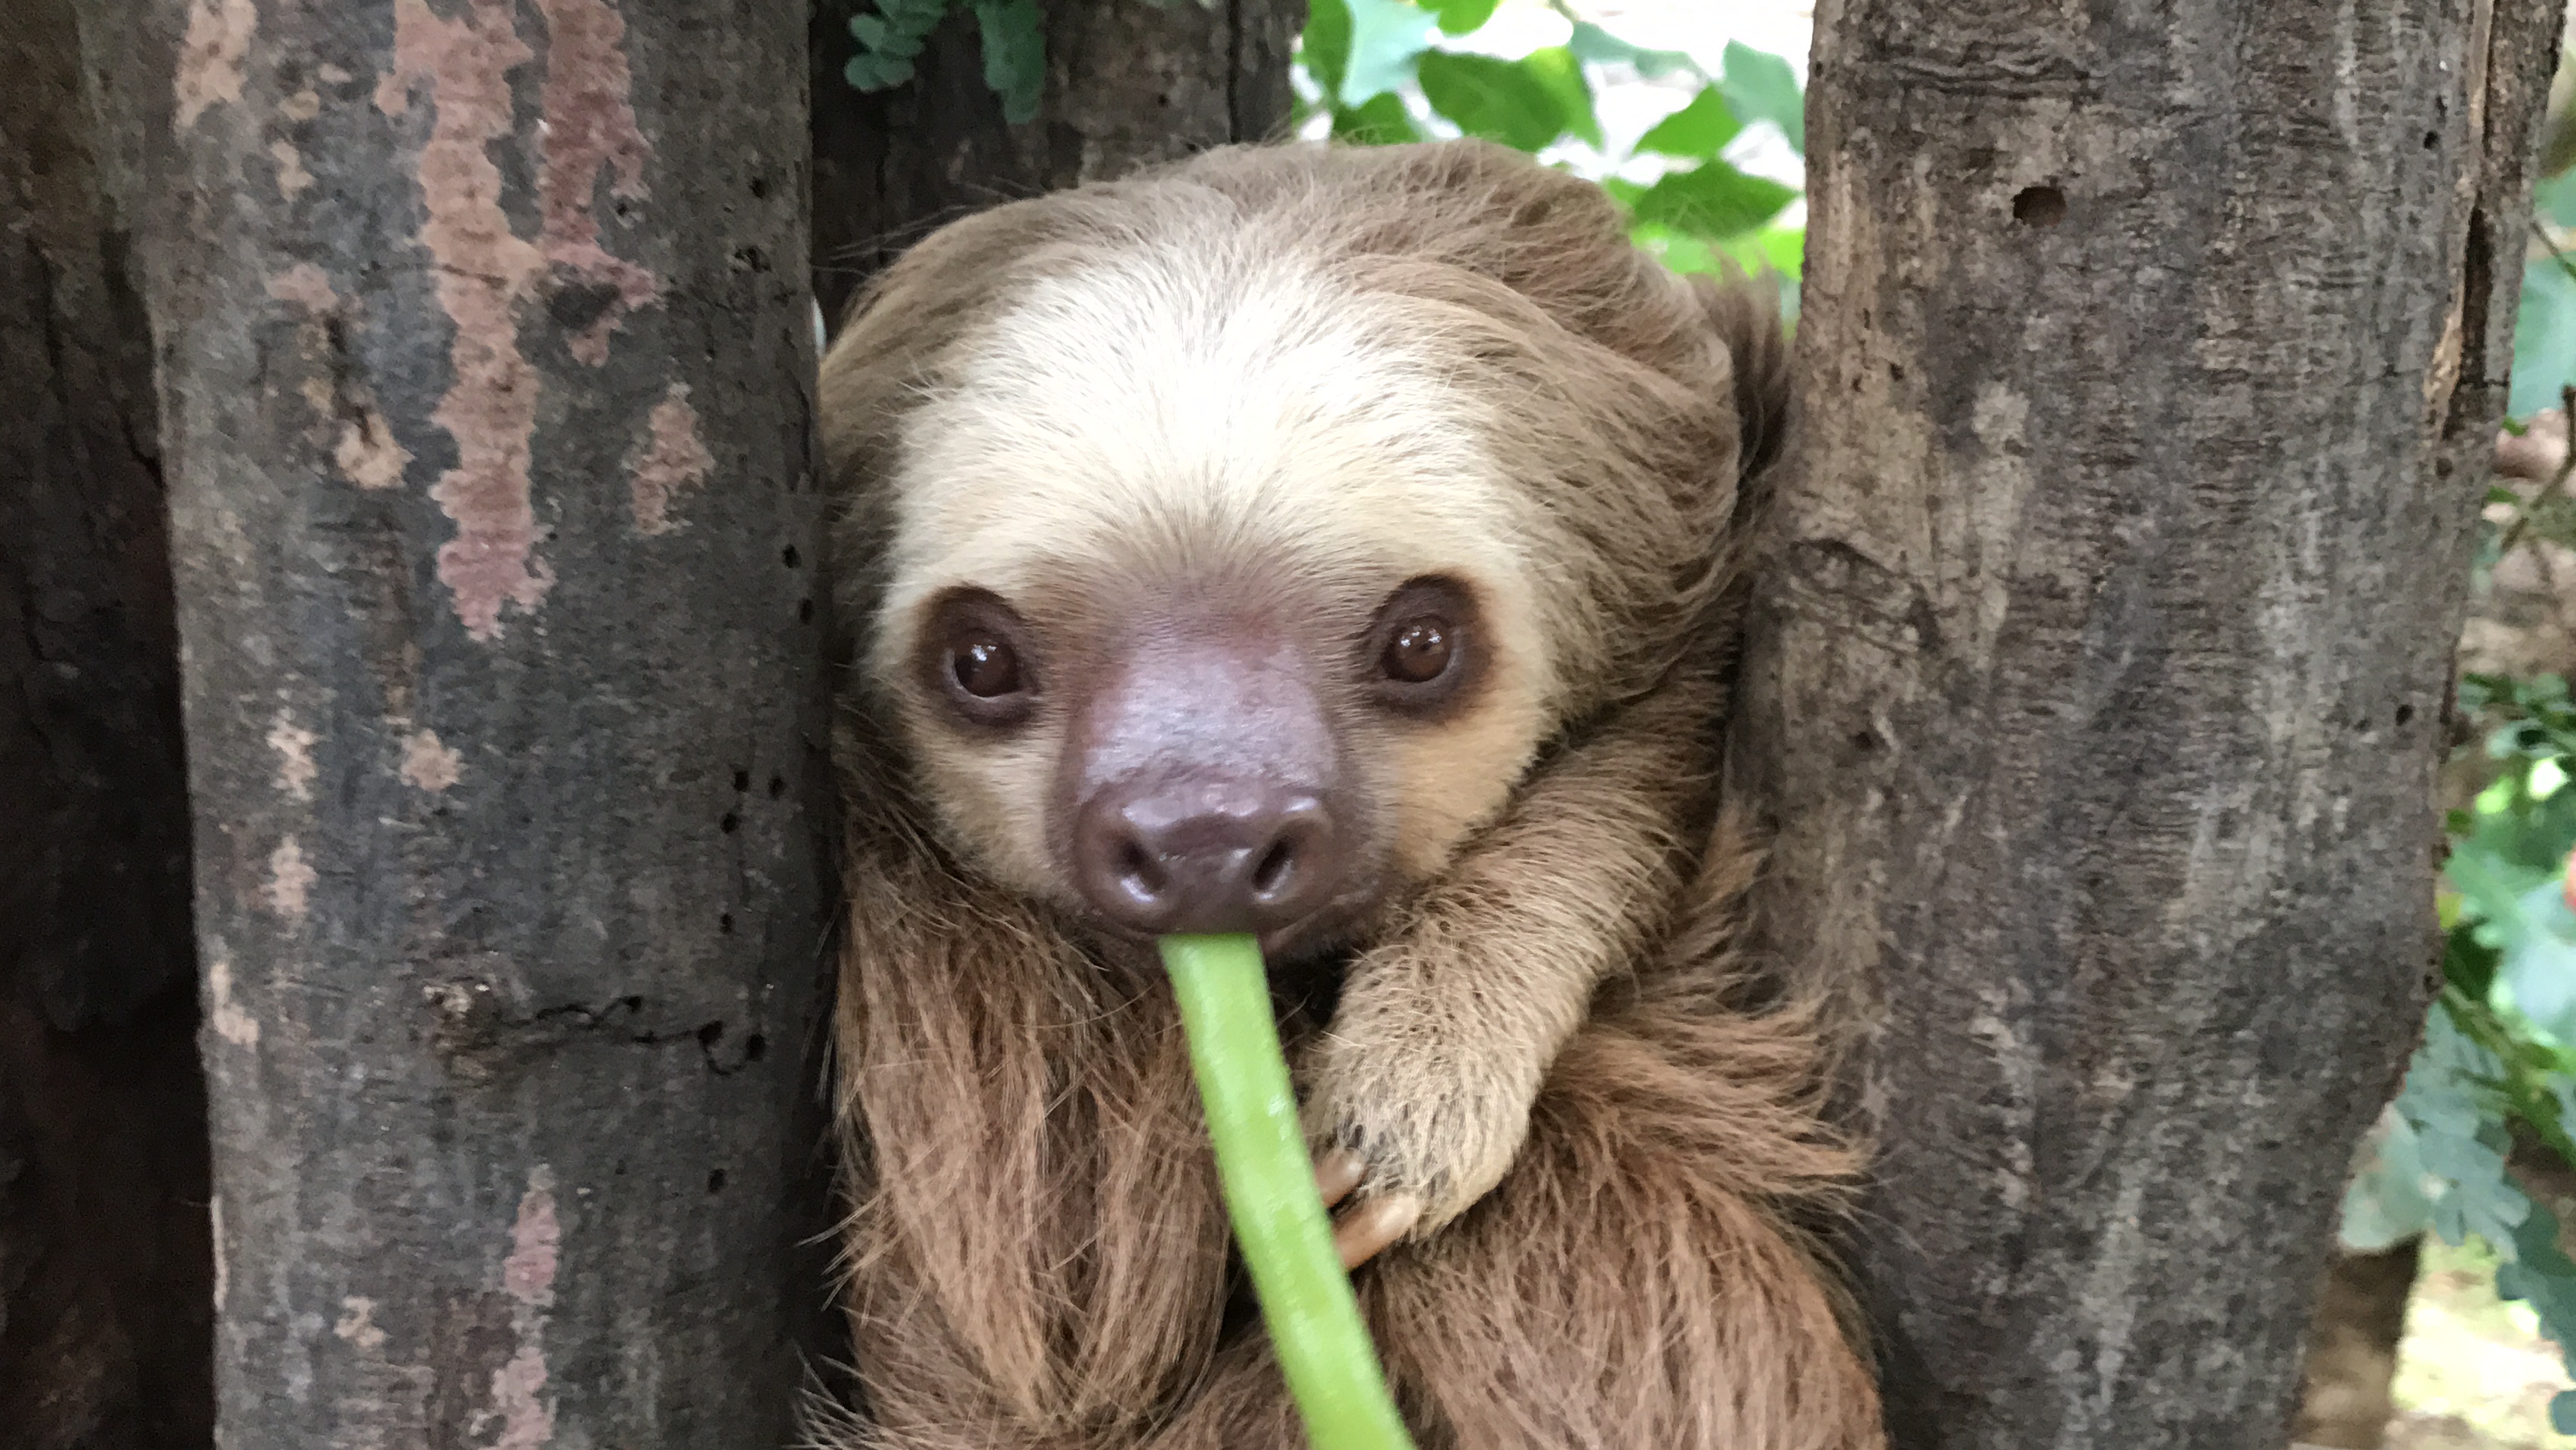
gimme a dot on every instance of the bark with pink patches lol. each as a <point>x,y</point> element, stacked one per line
<point>590,124</point>
<point>210,60</point>
<point>509,812</point>
<point>528,1277</point>
<point>672,459</point>
<point>485,271</point>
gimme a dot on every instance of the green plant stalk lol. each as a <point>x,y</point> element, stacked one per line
<point>1315,1329</point>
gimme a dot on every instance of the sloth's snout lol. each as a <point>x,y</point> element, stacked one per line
<point>1206,854</point>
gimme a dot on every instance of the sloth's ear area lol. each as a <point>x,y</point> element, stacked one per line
<point>899,341</point>
<point>903,343</point>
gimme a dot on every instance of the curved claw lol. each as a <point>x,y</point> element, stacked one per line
<point>1337,1172</point>
<point>1360,1234</point>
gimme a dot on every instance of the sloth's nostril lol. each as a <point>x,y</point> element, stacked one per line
<point>1138,872</point>
<point>1273,868</point>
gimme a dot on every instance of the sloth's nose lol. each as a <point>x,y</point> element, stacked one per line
<point>1206,854</point>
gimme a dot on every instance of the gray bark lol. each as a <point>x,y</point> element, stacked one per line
<point>2149,365</point>
<point>486,344</point>
<point>1128,83</point>
<point>104,1319</point>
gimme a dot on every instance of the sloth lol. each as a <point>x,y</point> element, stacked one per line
<point>1342,546</point>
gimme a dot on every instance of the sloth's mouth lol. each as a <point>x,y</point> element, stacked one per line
<point>1306,958</point>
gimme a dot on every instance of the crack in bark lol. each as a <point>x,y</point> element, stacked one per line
<point>473,1027</point>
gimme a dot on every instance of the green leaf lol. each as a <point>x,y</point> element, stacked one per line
<point>2467,963</point>
<point>1762,87</point>
<point>1499,100</point>
<point>1326,45</point>
<point>869,72</point>
<point>1381,120</point>
<point>2385,1204</point>
<point>1713,200</point>
<point>1775,249</point>
<point>2453,1102</point>
<point>2544,337</point>
<point>870,30</point>
<point>2542,1276</point>
<point>1785,249</point>
<point>2556,198</point>
<point>1014,55</point>
<point>1458,17</point>
<point>2539,966</point>
<point>1592,43</point>
<point>1680,251</point>
<point>1386,36</point>
<point>1697,131</point>
<point>1556,68</point>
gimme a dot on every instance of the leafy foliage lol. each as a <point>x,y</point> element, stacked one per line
<point>1012,33</point>
<point>2441,1164</point>
<point>1514,102</point>
<point>1014,36</point>
<point>889,38</point>
<point>1384,71</point>
<point>2544,337</point>
<point>1387,71</point>
<point>2499,1050</point>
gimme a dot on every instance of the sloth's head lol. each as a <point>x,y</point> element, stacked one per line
<point>1221,572</point>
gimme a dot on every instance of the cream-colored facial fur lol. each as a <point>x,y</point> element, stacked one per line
<point>1192,402</point>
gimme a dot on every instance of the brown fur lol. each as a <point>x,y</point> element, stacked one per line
<point>1543,1034</point>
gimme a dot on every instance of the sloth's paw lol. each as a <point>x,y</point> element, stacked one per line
<point>1407,1137</point>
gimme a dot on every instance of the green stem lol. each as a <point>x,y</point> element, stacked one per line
<point>1315,1329</point>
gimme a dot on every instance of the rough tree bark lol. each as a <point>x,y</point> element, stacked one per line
<point>486,355</point>
<point>1128,82</point>
<point>104,1318</point>
<point>2149,362</point>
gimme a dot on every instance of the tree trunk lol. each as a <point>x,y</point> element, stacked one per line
<point>104,1320</point>
<point>2149,360</point>
<point>486,345</point>
<point>1128,82</point>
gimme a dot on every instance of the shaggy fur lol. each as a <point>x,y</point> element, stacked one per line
<point>1370,364</point>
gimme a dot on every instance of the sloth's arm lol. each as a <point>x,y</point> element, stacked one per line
<point>1421,1088</point>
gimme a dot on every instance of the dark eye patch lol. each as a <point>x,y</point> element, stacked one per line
<point>1423,650</point>
<point>977,657</point>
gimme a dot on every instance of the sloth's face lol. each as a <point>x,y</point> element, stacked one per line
<point>1210,616</point>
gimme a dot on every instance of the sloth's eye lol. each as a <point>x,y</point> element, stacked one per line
<point>983,665</point>
<point>975,657</point>
<point>1418,652</point>
<point>1423,655</point>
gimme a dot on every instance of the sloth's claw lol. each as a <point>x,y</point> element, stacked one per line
<point>1337,1172</point>
<point>1359,1234</point>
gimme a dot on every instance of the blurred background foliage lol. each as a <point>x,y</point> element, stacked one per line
<point>1707,161</point>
